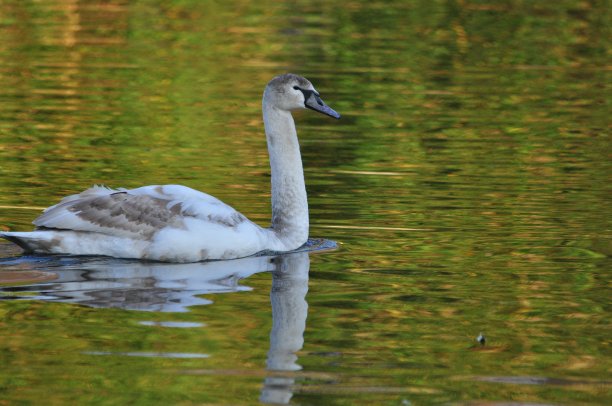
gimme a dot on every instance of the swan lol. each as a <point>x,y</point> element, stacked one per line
<point>174,223</point>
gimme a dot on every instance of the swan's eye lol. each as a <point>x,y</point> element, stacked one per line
<point>296,88</point>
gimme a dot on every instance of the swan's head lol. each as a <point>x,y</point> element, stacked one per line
<point>292,92</point>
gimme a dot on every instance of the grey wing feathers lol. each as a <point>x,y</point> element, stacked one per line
<point>112,212</point>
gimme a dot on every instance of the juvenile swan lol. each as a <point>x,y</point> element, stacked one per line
<point>177,224</point>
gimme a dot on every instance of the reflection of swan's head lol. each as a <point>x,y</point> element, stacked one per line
<point>291,92</point>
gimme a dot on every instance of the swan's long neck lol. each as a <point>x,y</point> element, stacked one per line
<point>289,202</point>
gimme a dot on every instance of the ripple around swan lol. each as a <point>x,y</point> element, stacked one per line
<point>181,355</point>
<point>172,324</point>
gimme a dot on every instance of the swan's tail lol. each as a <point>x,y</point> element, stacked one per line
<point>33,241</point>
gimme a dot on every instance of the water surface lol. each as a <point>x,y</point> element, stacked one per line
<point>467,183</point>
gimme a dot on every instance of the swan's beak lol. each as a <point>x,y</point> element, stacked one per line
<point>314,102</point>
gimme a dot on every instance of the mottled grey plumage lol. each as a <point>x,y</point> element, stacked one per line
<point>143,215</point>
<point>132,215</point>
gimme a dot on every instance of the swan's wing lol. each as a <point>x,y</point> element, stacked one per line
<point>137,213</point>
<point>192,203</point>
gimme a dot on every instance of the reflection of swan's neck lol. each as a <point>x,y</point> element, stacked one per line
<point>289,311</point>
<point>289,202</point>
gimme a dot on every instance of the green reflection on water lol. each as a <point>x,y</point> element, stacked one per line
<point>468,182</point>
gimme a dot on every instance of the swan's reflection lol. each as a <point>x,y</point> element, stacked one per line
<point>163,287</point>
<point>134,285</point>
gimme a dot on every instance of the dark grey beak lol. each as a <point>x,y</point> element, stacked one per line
<point>314,102</point>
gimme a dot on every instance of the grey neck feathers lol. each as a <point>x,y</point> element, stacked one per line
<point>289,202</point>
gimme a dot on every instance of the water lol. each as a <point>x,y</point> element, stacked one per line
<point>467,184</point>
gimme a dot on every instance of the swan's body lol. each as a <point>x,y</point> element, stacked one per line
<point>177,224</point>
